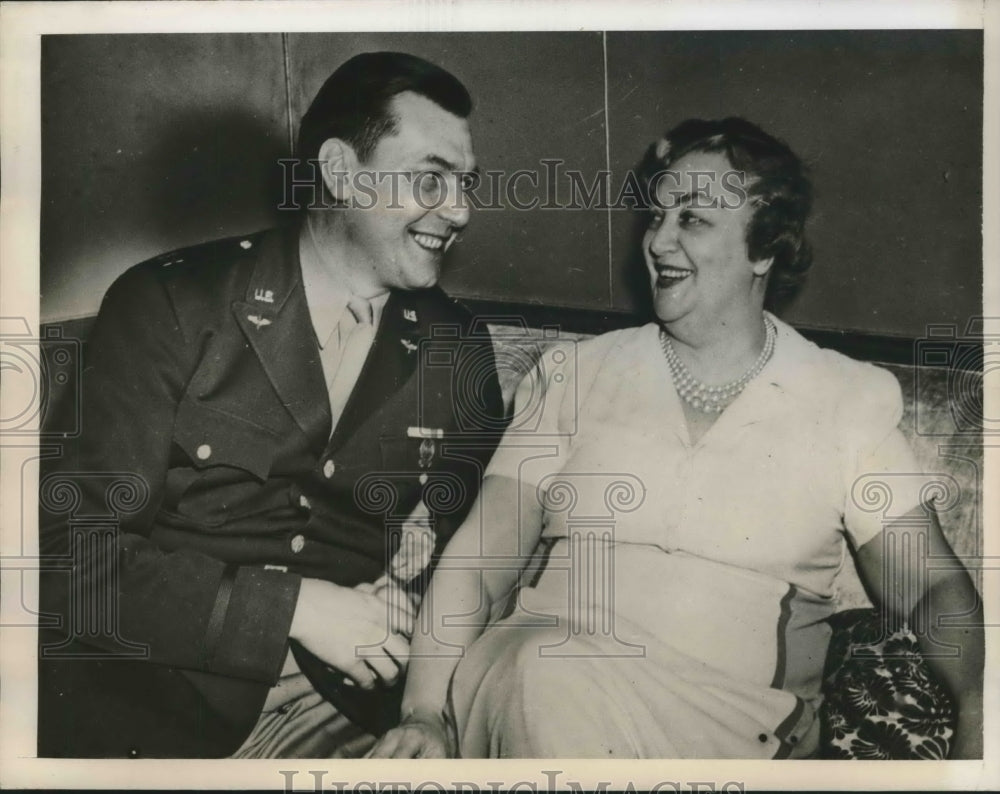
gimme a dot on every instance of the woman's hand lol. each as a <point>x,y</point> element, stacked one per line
<point>457,588</point>
<point>417,736</point>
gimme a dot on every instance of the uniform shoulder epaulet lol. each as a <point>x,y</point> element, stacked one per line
<point>470,317</point>
<point>210,251</point>
<point>451,305</point>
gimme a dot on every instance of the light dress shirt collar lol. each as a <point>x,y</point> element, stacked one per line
<point>325,281</point>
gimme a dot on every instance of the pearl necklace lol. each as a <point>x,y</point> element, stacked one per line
<point>713,399</point>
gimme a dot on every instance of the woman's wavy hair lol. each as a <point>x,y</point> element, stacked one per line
<point>776,181</point>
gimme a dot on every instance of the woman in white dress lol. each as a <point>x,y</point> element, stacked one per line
<point>684,537</point>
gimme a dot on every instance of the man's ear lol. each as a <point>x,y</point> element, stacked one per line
<point>339,162</point>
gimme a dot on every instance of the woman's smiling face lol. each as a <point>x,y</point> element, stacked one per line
<point>695,247</point>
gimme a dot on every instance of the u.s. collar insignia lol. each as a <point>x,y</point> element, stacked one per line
<point>410,347</point>
<point>263,295</point>
<point>258,321</point>
<point>410,314</point>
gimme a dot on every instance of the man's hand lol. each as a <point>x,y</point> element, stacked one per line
<point>417,736</point>
<point>349,629</point>
<point>401,604</point>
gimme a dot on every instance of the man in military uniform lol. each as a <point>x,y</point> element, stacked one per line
<point>275,454</point>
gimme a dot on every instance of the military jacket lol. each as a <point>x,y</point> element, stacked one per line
<point>207,445</point>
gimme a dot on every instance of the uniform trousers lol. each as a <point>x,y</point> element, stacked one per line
<point>298,722</point>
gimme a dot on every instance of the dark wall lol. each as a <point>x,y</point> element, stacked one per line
<point>152,142</point>
<point>890,123</point>
<point>537,95</point>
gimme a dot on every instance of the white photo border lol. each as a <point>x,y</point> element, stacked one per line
<point>21,28</point>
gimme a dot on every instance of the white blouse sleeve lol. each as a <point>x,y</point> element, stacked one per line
<point>883,479</point>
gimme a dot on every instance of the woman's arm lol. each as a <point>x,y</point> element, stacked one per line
<point>478,569</point>
<point>923,589</point>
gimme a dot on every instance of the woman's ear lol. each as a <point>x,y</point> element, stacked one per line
<point>762,266</point>
<point>338,160</point>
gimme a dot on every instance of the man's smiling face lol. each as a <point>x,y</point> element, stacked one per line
<point>409,210</point>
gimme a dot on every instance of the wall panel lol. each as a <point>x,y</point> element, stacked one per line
<point>149,143</point>
<point>537,95</point>
<point>891,124</point>
<point>152,142</point>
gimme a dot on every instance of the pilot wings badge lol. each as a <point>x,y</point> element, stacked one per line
<point>258,321</point>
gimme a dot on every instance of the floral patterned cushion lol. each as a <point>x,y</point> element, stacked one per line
<point>881,700</point>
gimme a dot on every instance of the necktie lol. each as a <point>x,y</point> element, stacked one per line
<point>356,334</point>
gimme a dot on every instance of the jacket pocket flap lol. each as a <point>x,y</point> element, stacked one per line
<point>210,437</point>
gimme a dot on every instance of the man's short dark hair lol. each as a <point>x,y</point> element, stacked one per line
<point>777,184</point>
<point>353,103</point>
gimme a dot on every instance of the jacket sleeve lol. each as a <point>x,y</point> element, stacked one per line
<point>100,498</point>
